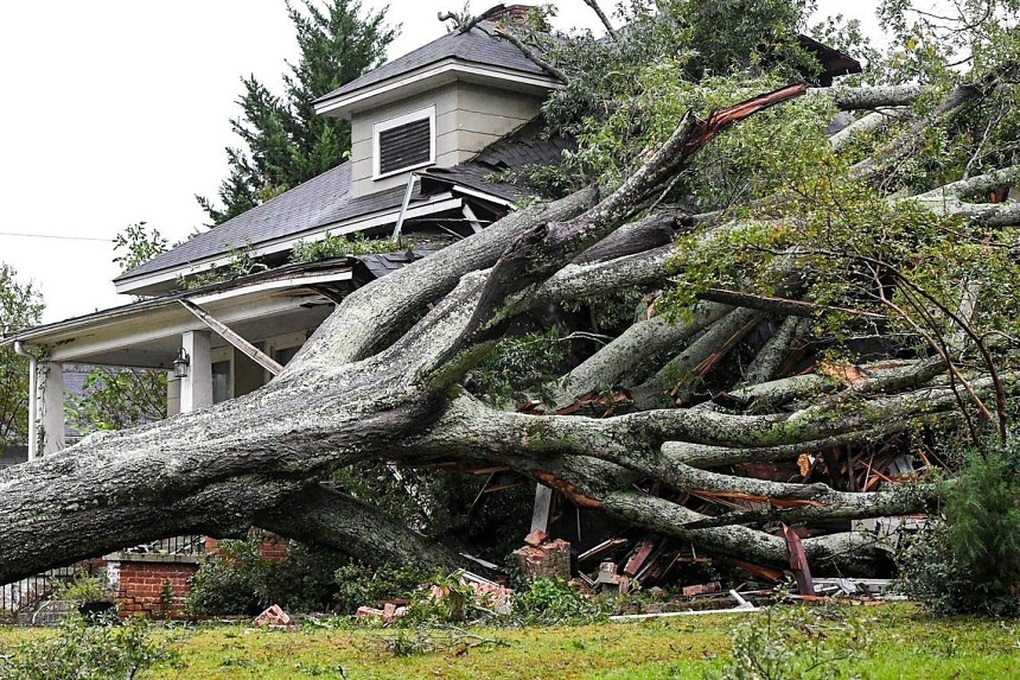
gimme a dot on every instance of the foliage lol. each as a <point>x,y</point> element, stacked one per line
<point>139,245</point>
<point>929,46</point>
<point>285,143</point>
<point>553,603</point>
<point>243,262</point>
<point>790,643</point>
<point>808,223</point>
<point>970,562</point>
<point>359,585</point>
<point>116,399</point>
<point>350,245</point>
<point>90,652</point>
<point>429,640</point>
<point>760,37</point>
<point>241,581</point>
<point>82,588</point>
<point>20,306</point>
<point>520,367</point>
<point>445,506</point>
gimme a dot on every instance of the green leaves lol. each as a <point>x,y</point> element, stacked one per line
<point>21,306</point>
<point>970,563</point>
<point>139,245</point>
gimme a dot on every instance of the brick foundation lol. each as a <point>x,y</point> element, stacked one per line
<point>151,584</point>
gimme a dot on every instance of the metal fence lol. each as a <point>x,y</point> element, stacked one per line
<point>27,593</point>
<point>178,545</point>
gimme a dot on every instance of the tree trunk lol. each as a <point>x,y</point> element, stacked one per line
<point>381,381</point>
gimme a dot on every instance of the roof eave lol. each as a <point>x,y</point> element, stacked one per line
<point>298,275</point>
<point>430,76</point>
<point>157,281</point>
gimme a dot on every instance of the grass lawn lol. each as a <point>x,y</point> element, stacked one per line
<point>896,641</point>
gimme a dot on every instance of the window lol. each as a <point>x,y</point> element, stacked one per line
<point>404,143</point>
<point>221,381</point>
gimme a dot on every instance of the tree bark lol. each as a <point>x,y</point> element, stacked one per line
<point>381,381</point>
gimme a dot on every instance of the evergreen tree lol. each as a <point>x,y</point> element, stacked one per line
<point>20,306</point>
<point>285,143</point>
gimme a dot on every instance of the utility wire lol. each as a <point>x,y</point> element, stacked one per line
<point>54,236</point>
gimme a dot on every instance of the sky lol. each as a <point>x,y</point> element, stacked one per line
<point>114,112</point>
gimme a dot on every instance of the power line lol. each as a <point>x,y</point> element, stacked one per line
<point>54,236</point>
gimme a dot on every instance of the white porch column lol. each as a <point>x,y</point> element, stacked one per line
<point>197,388</point>
<point>51,406</point>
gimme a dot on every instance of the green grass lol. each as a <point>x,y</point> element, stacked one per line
<point>902,644</point>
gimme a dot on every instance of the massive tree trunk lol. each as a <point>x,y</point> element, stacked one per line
<point>381,380</point>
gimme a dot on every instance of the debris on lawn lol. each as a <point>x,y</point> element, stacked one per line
<point>274,617</point>
<point>485,594</point>
<point>742,606</point>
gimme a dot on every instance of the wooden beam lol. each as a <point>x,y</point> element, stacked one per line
<point>224,331</point>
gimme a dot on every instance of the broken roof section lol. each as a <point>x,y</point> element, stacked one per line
<point>527,147</point>
<point>147,333</point>
<point>325,203</point>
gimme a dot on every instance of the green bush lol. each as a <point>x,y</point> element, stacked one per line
<point>89,652</point>
<point>548,602</point>
<point>790,643</point>
<point>359,585</point>
<point>969,563</point>
<point>240,581</point>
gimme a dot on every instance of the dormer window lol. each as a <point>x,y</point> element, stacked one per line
<point>404,143</point>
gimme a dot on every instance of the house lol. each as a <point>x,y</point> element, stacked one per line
<point>428,130</point>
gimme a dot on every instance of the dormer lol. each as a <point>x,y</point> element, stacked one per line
<point>437,106</point>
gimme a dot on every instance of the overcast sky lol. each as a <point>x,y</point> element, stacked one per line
<point>117,111</point>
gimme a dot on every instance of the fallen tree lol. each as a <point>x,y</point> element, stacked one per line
<point>731,375</point>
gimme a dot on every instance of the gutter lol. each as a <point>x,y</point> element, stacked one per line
<point>33,400</point>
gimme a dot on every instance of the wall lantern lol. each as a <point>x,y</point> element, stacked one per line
<point>181,364</point>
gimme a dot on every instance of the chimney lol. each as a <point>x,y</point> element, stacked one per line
<point>515,15</point>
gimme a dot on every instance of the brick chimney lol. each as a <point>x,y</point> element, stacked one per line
<point>513,15</point>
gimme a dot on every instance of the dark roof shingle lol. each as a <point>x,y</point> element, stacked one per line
<point>476,46</point>
<point>294,211</point>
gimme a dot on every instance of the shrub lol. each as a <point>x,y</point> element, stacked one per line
<point>969,562</point>
<point>789,643</point>
<point>359,585</point>
<point>548,602</point>
<point>240,581</point>
<point>89,652</point>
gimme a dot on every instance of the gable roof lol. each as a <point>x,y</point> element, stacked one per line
<point>476,55</point>
<point>325,202</point>
<point>477,45</point>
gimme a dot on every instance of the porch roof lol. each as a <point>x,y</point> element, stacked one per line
<point>146,334</point>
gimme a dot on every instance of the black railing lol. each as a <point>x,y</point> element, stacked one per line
<point>27,593</point>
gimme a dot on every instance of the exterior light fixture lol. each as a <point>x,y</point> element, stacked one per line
<point>181,364</point>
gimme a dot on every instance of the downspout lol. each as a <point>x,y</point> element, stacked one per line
<point>33,400</point>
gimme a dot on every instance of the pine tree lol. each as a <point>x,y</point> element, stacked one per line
<point>285,143</point>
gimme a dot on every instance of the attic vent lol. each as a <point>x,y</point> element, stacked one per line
<point>405,143</point>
